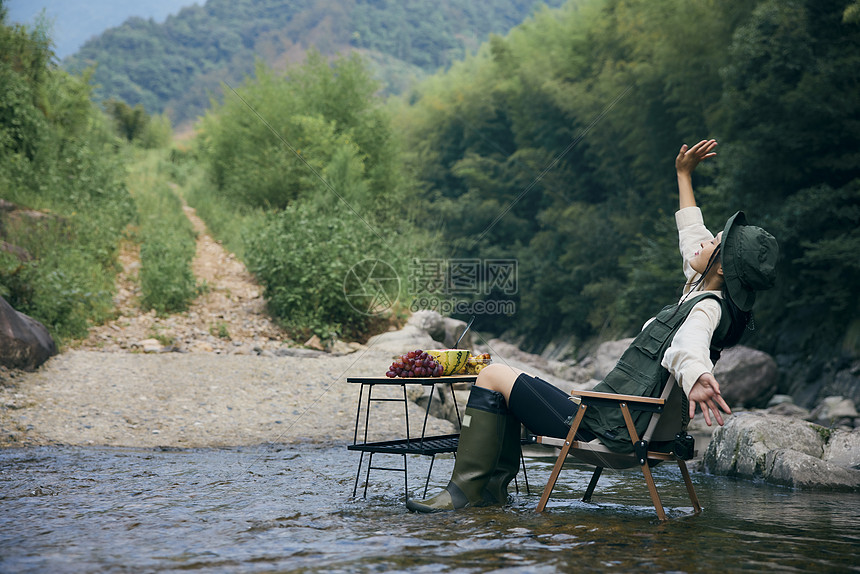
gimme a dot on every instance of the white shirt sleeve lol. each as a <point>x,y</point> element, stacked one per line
<point>689,355</point>
<point>691,232</point>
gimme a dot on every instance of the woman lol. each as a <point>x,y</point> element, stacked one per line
<point>723,274</point>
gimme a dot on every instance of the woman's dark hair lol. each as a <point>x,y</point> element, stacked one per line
<point>739,319</point>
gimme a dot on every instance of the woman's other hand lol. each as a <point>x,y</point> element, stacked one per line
<point>706,393</point>
<point>689,157</point>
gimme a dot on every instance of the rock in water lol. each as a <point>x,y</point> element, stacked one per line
<point>785,451</point>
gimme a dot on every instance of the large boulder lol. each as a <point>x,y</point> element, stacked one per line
<point>563,348</point>
<point>24,342</point>
<point>798,470</point>
<point>844,382</point>
<point>605,357</point>
<point>444,330</point>
<point>431,322</point>
<point>406,339</point>
<point>454,329</point>
<point>748,378</point>
<point>784,451</point>
<point>843,449</point>
<point>834,412</point>
<point>424,330</point>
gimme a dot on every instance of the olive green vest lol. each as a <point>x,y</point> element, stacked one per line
<point>640,373</point>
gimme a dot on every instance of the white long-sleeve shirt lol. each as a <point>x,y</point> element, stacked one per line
<point>688,357</point>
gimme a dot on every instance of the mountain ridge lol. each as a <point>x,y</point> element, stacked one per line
<point>74,23</point>
<point>177,66</point>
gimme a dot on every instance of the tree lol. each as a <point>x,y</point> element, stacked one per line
<point>793,126</point>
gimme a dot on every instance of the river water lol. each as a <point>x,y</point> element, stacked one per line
<point>290,509</point>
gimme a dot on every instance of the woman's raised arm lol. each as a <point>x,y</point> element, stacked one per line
<point>687,160</point>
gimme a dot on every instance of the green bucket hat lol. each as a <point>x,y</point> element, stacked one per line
<point>749,256</point>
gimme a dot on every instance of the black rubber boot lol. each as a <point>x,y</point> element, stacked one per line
<point>478,452</point>
<point>509,461</point>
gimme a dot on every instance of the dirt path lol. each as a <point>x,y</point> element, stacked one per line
<point>229,317</point>
<point>220,374</point>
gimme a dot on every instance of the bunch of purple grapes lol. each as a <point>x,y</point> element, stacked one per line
<point>415,364</point>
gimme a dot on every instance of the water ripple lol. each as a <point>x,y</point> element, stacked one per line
<point>289,509</point>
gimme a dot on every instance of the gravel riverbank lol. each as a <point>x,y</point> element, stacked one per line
<point>196,400</point>
<point>229,385</point>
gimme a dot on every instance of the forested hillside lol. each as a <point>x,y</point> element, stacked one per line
<point>556,145</point>
<point>176,66</point>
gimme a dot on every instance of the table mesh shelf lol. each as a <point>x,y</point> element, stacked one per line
<point>426,446</point>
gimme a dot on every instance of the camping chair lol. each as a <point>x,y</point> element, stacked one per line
<point>665,423</point>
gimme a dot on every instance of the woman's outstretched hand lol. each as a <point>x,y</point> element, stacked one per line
<point>706,393</point>
<point>689,157</point>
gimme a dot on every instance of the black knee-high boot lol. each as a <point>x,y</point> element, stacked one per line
<point>478,454</point>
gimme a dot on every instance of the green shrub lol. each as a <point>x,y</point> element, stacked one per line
<point>157,133</point>
<point>302,256</point>
<point>166,281</point>
<point>71,292</point>
<point>135,126</point>
<point>320,114</point>
<point>168,242</point>
<point>305,204</point>
<point>58,160</point>
<point>178,166</point>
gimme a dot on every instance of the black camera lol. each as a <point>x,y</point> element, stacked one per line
<point>685,446</point>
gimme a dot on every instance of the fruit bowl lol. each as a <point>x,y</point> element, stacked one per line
<point>453,361</point>
<point>476,363</point>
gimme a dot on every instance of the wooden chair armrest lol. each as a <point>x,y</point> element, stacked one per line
<point>617,397</point>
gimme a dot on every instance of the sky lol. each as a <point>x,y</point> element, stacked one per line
<point>76,21</point>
